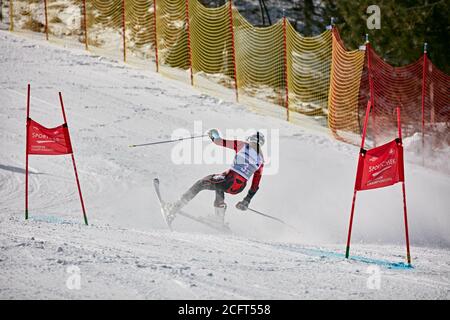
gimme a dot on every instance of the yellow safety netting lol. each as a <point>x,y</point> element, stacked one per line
<point>172,37</point>
<point>27,15</point>
<point>211,42</point>
<point>259,59</point>
<point>309,67</point>
<point>140,28</point>
<point>66,22</point>
<point>104,26</point>
<point>346,70</point>
<point>322,78</point>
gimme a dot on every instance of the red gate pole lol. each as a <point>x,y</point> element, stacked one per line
<point>156,36</point>
<point>371,88</point>
<point>74,165</point>
<point>405,214</point>
<point>366,120</point>
<point>349,235</point>
<point>85,26</point>
<point>285,73</point>
<point>46,19</point>
<point>408,253</point>
<point>123,32</point>
<point>230,12</point>
<point>189,40</point>
<point>424,92</point>
<point>26,153</point>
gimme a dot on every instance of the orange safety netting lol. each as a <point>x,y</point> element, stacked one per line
<point>436,117</point>
<point>389,87</point>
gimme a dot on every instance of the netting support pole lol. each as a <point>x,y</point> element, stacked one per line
<point>26,152</point>
<point>372,93</point>
<point>85,26</point>
<point>424,92</point>
<point>332,22</point>
<point>405,214</point>
<point>46,19</point>
<point>189,41</point>
<point>285,67</point>
<point>123,33</point>
<point>73,162</point>
<point>233,48</point>
<point>363,139</point>
<point>11,15</point>
<point>156,36</point>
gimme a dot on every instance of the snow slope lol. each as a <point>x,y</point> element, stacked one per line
<point>127,252</point>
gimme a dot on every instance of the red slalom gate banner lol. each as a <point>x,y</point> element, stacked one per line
<point>49,141</point>
<point>377,168</point>
<point>380,167</point>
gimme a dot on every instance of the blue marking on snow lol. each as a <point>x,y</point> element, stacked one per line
<point>335,255</point>
<point>52,219</point>
<point>379,262</point>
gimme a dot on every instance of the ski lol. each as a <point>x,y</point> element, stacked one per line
<point>219,227</point>
<point>161,203</point>
<point>204,221</point>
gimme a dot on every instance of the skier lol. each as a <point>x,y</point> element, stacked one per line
<point>248,162</point>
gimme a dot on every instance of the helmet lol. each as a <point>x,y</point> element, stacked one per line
<point>257,137</point>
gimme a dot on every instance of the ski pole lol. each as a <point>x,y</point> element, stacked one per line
<point>266,215</point>
<point>165,141</point>
<point>273,218</point>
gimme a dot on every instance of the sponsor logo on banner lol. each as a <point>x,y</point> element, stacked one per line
<point>45,141</point>
<point>380,167</point>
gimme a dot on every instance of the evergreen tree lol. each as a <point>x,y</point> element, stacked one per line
<point>405,26</point>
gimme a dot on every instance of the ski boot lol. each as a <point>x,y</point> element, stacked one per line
<point>219,215</point>
<point>170,210</point>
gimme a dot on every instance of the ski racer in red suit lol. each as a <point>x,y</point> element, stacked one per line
<point>248,162</point>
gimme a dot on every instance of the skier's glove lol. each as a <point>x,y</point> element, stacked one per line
<point>213,134</point>
<point>242,205</point>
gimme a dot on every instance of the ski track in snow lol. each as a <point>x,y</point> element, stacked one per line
<point>126,263</point>
<point>127,252</point>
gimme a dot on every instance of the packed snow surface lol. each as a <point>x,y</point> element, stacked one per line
<point>128,252</point>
